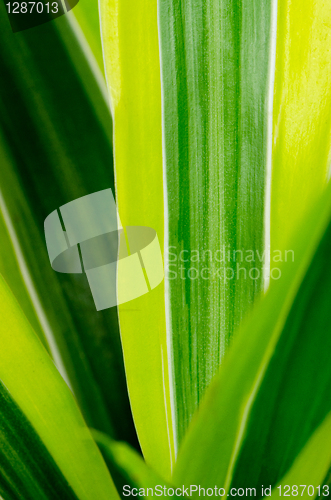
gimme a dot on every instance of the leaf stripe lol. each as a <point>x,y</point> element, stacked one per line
<point>215,85</point>
<point>271,85</point>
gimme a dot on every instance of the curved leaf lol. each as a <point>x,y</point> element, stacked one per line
<point>46,450</point>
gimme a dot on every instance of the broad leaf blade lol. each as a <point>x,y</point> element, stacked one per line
<point>217,69</point>
<point>44,436</point>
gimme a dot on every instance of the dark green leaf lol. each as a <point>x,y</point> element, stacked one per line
<point>55,146</point>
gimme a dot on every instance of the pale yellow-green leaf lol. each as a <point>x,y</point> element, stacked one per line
<point>301,114</point>
<point>10,269</point>
<point>130,40</point>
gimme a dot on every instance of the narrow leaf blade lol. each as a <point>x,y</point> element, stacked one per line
<point>130,40</point>
<point>301,115</point>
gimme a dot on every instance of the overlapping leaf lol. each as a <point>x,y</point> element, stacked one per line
<point>272,392</point>
<point>131,472</point>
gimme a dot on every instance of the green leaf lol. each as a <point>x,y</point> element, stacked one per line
<point>46,450</point>
<point>217,66</point>
<point>272,391</point>
<point>9,268</point>
<point>87,15</point>
<point>312,463</point>
<point>55,146</point>
<point>127,463</point>
<point>301,115</point>
<point>130,40</point>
